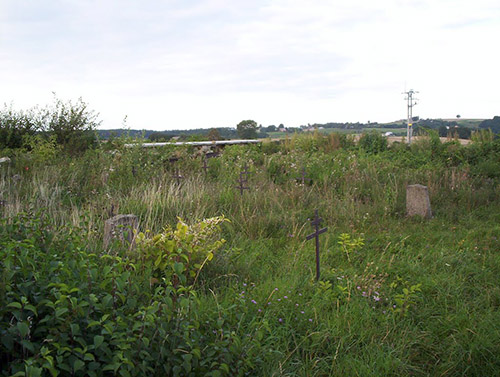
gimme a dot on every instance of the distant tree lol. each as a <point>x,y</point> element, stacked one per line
<point>271,128</point>
<point>262,135</point>
<point>73,124</point>
<point>493,124</point>
<point>16,125</point>
<point>195,137</point>
<point>247,129</point>
<point>213,134</point>
<point>159,136</point>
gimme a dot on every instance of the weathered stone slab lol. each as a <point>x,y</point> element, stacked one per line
<point>417,201</point>
<point>120,227</point>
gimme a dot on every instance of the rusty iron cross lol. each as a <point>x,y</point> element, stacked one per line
<point>245,172</point>
<point>316,222</point>
<point>243,179</point>
<point>303,178</point>
<point>212,154</point>
<point>205,165</point>
<point>177,176</point>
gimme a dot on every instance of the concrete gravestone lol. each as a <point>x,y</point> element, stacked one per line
<point>120,227</point>
<point>417,201</point>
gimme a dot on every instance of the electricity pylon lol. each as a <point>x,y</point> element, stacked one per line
<point>410,103</point>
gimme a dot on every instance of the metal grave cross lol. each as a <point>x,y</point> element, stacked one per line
<point>316,223</point>
<point>245,172</point>
<point>212,154</point>
<point>243,179</point>
<point>303,178</point>
<point>205,165</point>
<point>177,176</point>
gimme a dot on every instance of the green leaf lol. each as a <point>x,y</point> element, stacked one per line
<point>78,364</point>
<point>28,345</point>
<point>224,367</point>
<point>32,371</point>
<point>61,311</point>
<point>98,339</point>
<point>114,367</point>
<point>179,268</point>
<point>16,305</point>
<point>158,260</point>
<point>32,308</point>
<point>7,341</point>
<point>23,328</point>
<point>197,353</point>
<point>75,329</point>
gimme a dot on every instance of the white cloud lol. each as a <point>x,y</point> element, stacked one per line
<point>214,62</point>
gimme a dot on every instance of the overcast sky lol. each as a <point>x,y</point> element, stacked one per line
<point>177,64</point>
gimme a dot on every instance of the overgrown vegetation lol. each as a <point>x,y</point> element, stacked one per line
<point>206,296</point>
<point>70,124</point>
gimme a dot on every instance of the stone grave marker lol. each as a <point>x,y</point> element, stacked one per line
<point>418,202</point>
<point>120,227</point>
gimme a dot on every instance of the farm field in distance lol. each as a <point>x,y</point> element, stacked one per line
<point>221,282</point>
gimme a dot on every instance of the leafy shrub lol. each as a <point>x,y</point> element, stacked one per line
<point>64,310</point>
<point>373,142</point>
<point>42,150</point>
<point>72,125</point>
<point>176,256</point>
<point>15,125</point>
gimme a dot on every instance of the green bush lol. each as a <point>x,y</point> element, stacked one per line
<point>373,142</point>
<point>71,124</point>
<point>16,125</point>
<point>66,311</point>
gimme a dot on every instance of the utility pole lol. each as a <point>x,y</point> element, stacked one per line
<point>410,103</point>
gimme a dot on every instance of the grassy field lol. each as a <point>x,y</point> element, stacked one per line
<point>397,295</point>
